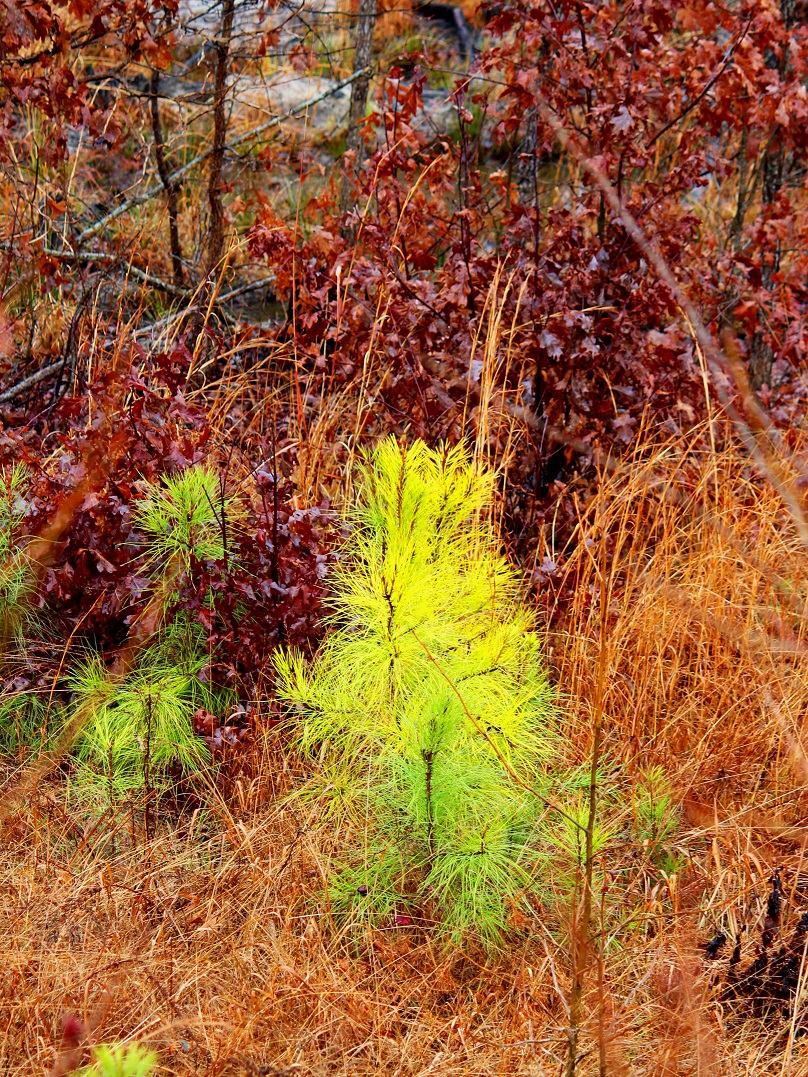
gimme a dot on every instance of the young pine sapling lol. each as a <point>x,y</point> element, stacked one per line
<point>137,719</point>
<point>131,1061</point>
<point>426,699</point>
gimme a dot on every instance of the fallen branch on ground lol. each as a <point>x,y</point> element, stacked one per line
<point>97,256</point>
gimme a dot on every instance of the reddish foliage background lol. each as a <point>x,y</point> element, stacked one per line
<point>695,111</point>
<point>677,103</point>
<point>95,582</point>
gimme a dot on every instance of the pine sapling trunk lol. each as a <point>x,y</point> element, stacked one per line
<point>430,810</point>
<point>463,188</point>
<point>111,772</point>
<point>147,765</point>
<point>745,190</point>
<point>527,171</point>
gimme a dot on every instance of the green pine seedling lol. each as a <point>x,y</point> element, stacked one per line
<point>28,718</point>
<point>137,732</point>
<point>131,1061</point>
<point>657,819</point>
<point>16,583</point>
<point>565,834</point>
<point>428,694</point>
<point>140,731</point>
<point>24,718</point>
<point>13,484</point>
<point>185,518</point>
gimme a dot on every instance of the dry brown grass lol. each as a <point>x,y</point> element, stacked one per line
<point>205,942</point>
<point>212,942</point>
<point>708,635</point>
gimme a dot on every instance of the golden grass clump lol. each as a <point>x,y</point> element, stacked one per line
<point>706,634</point>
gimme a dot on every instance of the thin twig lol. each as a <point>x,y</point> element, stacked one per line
<point>242,289</point>
<point>699,97</point>
<point>32,379</point>
<point>140,274</point>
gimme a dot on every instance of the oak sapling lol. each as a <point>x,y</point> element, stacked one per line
<point>428,695</point>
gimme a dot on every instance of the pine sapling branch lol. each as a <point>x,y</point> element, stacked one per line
<point>545,800</point>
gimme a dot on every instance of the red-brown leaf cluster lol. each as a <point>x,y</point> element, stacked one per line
<point>696,113</point>
<point>266,590</point>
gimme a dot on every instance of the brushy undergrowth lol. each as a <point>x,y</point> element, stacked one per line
<point>133,716</point>
<point>428,708</point>
<point>701,797</point>
<point>467,280</point>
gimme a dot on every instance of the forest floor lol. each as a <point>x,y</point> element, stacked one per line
<point>205,933</point>
<point>661,540</point>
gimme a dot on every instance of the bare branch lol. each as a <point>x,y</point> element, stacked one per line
<point>29,382</point>
<point>276,121</point>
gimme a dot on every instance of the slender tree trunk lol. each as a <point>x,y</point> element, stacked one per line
<point>363,44</point>
<point>171,189</point>
<point>527,171</point>
<point>744,193</point>
<point>222,47</point>
<point>777,164</point>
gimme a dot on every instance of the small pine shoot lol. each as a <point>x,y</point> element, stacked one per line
<point>185,518</point>
<point>427,696</point>
<point>28,718</point>
<point>24,718</point>
<point>130,1061</point>
<point>139,733</point>
<point>13,483</point>
<point>656,818</point>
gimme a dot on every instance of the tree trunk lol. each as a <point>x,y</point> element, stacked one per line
<point>164,171</point>
<point>528,162</point>
<point>222,48</point>
<point>363,44</point>
<point>777,164</point>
